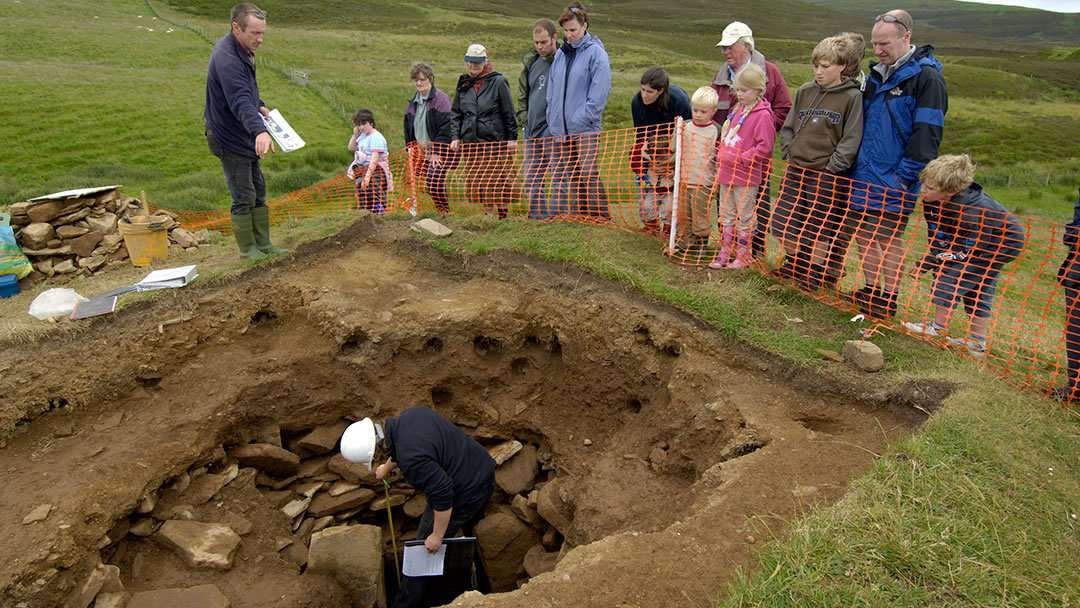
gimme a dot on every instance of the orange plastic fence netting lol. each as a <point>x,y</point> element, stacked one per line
<point>984,283</point>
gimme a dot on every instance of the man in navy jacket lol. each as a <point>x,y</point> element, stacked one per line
<point>235,132</point>
<point>455,473</point>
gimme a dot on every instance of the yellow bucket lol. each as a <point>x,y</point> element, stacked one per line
<point>146,242</point>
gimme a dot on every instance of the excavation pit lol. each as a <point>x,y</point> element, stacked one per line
<point>671,451</point>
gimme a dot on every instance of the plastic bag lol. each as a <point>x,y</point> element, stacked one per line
<point>58,302</point>
<point>12,259</point>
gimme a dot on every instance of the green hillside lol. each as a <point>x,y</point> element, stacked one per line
<point>115,94</point>
<point>1009,22</point>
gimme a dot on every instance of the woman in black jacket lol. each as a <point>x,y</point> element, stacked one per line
<point>427,122</point>
<point>483,113</point>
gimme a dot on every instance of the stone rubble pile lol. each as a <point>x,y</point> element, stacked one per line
<point>334,515</point>
<point>81,234</point>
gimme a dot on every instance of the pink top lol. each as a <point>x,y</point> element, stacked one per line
<point>744,156</point>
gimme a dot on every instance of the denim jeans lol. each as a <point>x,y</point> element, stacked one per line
<point>243,176</point>
<point>538,157</point>
<point>575,177</point>
<point>413,589</point>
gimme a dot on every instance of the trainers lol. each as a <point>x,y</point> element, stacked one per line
<point>975,348</point>
<point>926,328</point>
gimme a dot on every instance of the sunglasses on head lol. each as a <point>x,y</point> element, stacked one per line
<point>892,19</point>
<point>573,9</point>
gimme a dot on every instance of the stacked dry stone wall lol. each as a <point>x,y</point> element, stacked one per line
<point>76,235</point>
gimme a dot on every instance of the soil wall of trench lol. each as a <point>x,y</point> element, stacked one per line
<point>683,450</point>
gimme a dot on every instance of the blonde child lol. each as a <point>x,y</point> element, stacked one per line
<point>971,237</point>
<point>746,145</point>
<point>657,182</point>
<point>698,174</point>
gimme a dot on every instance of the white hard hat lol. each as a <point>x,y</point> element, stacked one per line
<point>358,442</point>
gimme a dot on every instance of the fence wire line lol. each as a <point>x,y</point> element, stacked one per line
<point>626,179</point>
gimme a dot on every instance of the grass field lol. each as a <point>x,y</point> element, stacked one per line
<point>979,509</point>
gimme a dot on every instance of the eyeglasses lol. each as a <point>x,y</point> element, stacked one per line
<point>573,9</point>
<point>892,19</point>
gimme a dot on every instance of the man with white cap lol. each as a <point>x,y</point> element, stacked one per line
<point>440,460</point>
<point>737,42</point>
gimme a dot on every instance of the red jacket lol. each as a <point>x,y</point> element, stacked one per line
<point>776,91</point>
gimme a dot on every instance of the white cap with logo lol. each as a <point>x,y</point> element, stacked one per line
<point>733,32</point>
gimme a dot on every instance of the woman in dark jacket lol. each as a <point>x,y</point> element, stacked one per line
<point>427,122</point>
<point>483,113</point>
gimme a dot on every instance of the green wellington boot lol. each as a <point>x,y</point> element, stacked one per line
<point>260,227</point>
<point>245,238</point>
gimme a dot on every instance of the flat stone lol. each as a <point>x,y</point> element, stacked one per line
<point>202,596</point>
<point>266,457</point>
<point>90,587</point>
<point>323,439</point>
<point>143,527</point>
<point>93,263</point>
<point>183,238</point>
<point>67,232</point>
<point>414,507</point>
<point>200,545</point>
<point>65,267</point>
<point>296,507</point>
<point>430,227</point>
<point>554,507</point>
<point>351,472</point>
<point>45,211</point>
<point>864,355</point>
<point>104,223</point>
<point>204,488</point>
<point>538,560</point>
<point>310,467</point>
<point>830,355</point>
<point>36,235</point>
<point>352,555</point>
<point>239,524</point>
<point>47,251</point>
<point>40,513</point>
<point>342,487</point>
<point>503,451</point>
<point>502,541</point>
<point>379,504</point>
<point>111,599</point>
<point>517,474</point>
<point>324,504</point>
<point>526,513</point>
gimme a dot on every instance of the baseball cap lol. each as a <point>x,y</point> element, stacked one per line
<point>734,31</point>
<point>476,53</point>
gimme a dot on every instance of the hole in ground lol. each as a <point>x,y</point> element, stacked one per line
<point>630,453</point>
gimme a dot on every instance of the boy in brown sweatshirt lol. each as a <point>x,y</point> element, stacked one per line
<point>820,140</point>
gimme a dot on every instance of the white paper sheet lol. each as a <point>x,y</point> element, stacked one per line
<point>418,562</point>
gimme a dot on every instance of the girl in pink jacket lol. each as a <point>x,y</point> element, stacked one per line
<point>746,147</point>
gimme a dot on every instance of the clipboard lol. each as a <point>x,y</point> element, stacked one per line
<point>454,554</point>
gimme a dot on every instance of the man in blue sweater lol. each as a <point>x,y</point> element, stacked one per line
<point>440,460</point>
<point>235,132</point>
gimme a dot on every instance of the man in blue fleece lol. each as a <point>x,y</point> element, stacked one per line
<point>904,105</point>
<point>235,131</point>
<point>453,470</point>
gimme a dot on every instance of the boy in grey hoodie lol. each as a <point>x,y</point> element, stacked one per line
<point>820,140</point>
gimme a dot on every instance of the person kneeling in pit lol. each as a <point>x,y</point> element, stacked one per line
<point>437,458</point>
